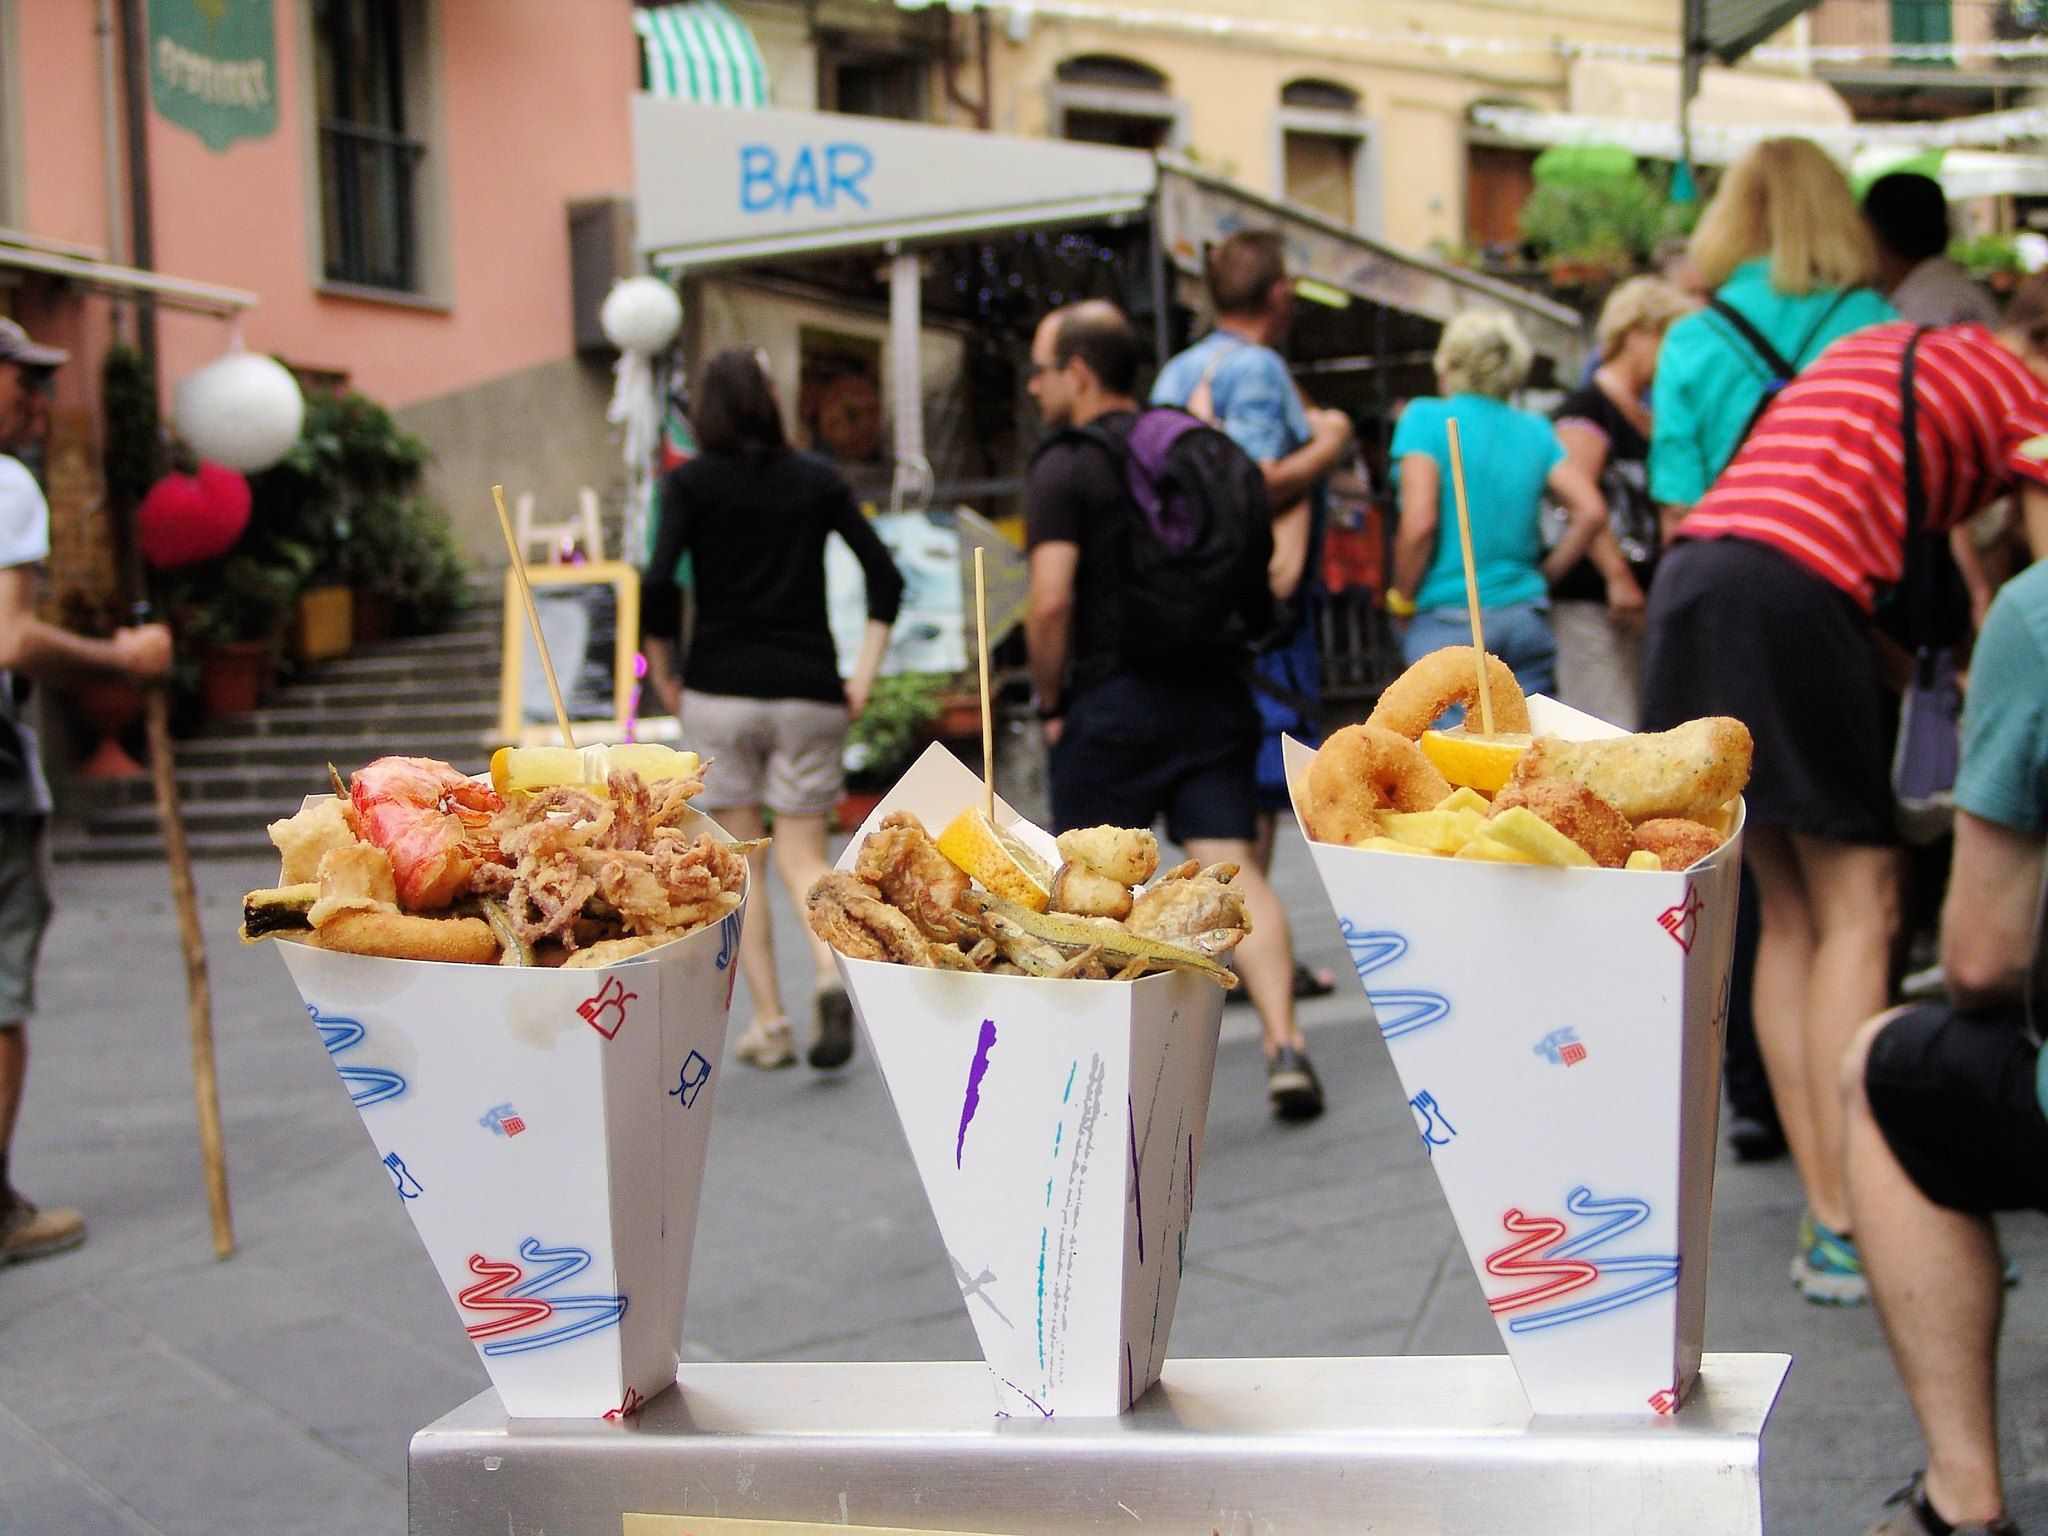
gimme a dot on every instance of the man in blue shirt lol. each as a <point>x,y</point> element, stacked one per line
<point>1948,1102</point>
<point>1236,379</point>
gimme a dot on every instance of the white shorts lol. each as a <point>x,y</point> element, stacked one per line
<point>786,754</point>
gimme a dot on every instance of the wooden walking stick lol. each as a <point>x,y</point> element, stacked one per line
<point>163,772</point>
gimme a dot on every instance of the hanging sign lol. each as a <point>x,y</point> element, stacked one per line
<point>213,67</point>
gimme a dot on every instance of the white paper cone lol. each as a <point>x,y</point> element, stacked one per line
<point>546,1130</point>
<point>1558,1033</point>
<point>1057,1129</point>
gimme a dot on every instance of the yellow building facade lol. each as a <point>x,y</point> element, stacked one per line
<point>1358,108</point>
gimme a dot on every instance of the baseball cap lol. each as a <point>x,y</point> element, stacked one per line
<point>15,347</point>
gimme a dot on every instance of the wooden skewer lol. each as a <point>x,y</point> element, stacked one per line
<point>547,665</point>
<point>988,728</point>
<point>1471,577</point>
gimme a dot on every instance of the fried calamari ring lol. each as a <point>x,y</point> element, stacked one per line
<point>1678,842</point>
<point>1579,814</point>
<point>1690,770</point>
<point>1361,771</point>
<point>1411,703</point>
<point>401,936</point>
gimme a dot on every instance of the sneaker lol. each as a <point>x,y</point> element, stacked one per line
<point>832,1045</point>
<point>1755,1140</point>
<point>1827,1269</point>
<point>1909,1514</point>
<point>1291,1085</point>
<point>27,1233</point>
<point>766,1045</point>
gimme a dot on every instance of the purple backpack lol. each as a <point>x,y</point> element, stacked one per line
<point>1198,540</point>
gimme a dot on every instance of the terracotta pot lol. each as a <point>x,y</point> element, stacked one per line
<point>109,707</point>
<point>372,617</point>
<point>232,677</point>
<point>959,717</point>
<point>324,625</point>
<point>855,806</point>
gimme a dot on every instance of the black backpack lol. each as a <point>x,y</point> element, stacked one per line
<point>1198,538</point>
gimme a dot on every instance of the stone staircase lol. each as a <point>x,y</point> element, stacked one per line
<point>431,696</point>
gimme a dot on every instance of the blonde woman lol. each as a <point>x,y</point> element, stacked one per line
<point>1790,263</point>
<point>1604,424</point>
<point>1512,457</point>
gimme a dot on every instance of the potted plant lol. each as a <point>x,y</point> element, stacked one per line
<point>899,720</point>
<point>233,615</point>
<point>1994,260</point>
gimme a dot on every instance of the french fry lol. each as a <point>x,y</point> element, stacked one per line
<point>1644,862</point>
<point>1394,845</point>
<point>1523,830</point>
<point>1438,831</point>
<point>1486,850</point>
<point>1464,798</point>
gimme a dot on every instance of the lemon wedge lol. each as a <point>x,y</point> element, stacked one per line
<point>1484,763</point>
<point>530,768</point>
<point>1002,864</point>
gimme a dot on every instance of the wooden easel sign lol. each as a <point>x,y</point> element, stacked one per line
<point>590,615</point>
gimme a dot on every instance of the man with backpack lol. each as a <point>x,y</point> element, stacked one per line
<point>1150,537</point>
<point>1236,380</point>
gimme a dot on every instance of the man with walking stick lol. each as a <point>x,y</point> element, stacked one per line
<point>33,649</point>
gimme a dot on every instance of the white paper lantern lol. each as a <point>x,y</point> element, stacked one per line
<point>243,410</point>
<point>641,314</point>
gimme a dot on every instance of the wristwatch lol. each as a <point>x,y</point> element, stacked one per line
<point>1400,604</point>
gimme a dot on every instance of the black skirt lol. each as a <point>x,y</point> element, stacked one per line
<point>1735,628</point>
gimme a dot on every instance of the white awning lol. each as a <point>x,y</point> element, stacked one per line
<point>715,186</point>
<point>25,253</point>
<point>701,51</point>
<point>1648,92</point>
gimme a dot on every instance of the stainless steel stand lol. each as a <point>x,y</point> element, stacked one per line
<point>1395,1447</point>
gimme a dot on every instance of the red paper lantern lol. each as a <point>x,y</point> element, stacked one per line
<point>187,518</point>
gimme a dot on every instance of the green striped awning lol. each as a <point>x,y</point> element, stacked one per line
<point>701,51</point>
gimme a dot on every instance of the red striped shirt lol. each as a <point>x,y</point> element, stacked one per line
<point>1821,479</point>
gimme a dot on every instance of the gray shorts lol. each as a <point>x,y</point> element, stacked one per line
<point>24,913</point>
<point>785,754</point>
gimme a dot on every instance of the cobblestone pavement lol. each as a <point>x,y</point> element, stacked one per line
<point>145,1388</point>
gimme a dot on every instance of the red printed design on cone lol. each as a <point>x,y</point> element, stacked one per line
<point>605,1010</point>
<point>633,1404</point>
<point>1683,920</point>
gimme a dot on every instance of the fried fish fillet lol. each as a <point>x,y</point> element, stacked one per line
<point>850,915</point>
<point>1688,771</point>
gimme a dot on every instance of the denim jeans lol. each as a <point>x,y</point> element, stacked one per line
<point>1518,634</point>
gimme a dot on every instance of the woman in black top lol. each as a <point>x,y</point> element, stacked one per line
<point>760,693</point>
<point>1597,606</point>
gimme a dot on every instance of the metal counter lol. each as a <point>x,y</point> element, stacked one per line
<point>1395,1447</point>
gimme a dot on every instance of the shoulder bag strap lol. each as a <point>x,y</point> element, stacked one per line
<point>1923,575</point>
<point>1757,342</point>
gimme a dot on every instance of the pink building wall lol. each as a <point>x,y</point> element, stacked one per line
<point>534,113</point>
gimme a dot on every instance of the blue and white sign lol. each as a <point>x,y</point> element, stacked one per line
<point>717,184</point>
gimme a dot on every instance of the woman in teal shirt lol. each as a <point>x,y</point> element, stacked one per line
<point>1511,458</point>
<point>1783,245</point>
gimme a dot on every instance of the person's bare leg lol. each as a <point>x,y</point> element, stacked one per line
<point>13,1073</point>
<point>1266,959</point>
<point>1784,965</point>
<point>801,844</point>
<point>1853,893</point>
<point>1262,842</point>
<point>757,935</point>
<point>1934,1277</point>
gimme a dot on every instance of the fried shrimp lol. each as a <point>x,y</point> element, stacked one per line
<point>1678,843</point>
<point>1579,814</point>
<point>1689,771</point>
<point>1413,701</point>
<point>1126,854</point>
<point>1361,771</point>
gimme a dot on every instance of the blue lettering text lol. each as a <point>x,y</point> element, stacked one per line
<point>846,167</point>
<point>757,178</point>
